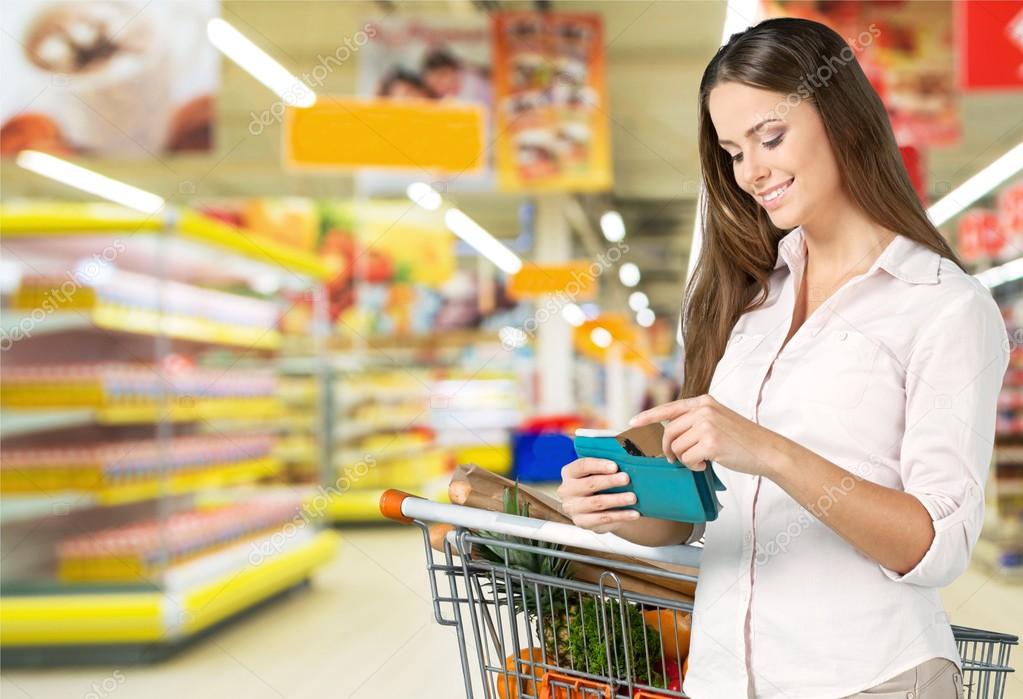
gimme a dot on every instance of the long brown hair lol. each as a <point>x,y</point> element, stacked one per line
<point>811,62</point>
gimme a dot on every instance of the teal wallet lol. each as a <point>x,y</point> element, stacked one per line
<point>663,490</point>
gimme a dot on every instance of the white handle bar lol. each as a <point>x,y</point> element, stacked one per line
<point>405,508</point>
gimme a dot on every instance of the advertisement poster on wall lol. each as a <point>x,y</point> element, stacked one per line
<point>108,78</point>
<point>551,102</point>
<point>428,62</point>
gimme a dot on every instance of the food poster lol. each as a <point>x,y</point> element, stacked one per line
<point>907,50</point>
<point>428,61</point>
<point>393,260</point>
<point>551,102</point>
<point>107,78</point>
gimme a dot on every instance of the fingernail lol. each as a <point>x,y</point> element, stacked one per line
<point>632,421</point>
<point>611,466</point>
<point>631,497</point>
<point>623,478</point>
<point>633,514</point>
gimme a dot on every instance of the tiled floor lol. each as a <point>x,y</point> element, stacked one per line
<point>365,630</point>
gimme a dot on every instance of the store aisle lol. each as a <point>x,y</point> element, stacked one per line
<point>366,630</point>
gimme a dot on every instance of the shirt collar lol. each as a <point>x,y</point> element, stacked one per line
<point>904,258</point>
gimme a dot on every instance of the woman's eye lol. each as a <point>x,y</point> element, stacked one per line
<point>737,158</point>
<point>774,142</point>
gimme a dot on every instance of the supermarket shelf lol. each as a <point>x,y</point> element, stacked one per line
<point>138,322</point>
<point>156,618</point>
<point>14,423</point>
<point>38,419</point>
<point>53,219</point>
<point>219,477</point>
<point>453,338</point>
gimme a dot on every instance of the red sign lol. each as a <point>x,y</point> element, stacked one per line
<point>1010,219</point>
<point>990,39</point>
<point>979,236</point>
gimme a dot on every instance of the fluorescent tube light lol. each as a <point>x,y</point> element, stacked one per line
<point>88,181</point>
<point>486,244</point>
<point>259,64</point>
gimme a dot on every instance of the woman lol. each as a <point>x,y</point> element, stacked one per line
<point>841,370</point>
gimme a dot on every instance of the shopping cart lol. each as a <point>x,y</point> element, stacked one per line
<point>500,581</point>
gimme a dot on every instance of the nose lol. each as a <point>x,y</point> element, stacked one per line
<point>754,172</point>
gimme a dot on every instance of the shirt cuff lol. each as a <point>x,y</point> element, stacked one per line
<point>698,529</point>
<point>949,552</point>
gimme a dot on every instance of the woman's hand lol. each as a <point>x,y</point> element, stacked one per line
<point>701,429</point>
<point>581,481</point>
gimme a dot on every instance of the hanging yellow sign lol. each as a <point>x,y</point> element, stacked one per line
<point>572,278</point>
<point>344,133</point>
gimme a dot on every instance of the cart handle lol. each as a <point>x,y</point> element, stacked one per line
<point>405,508</point>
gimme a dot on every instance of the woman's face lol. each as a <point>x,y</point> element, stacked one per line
<point>781,155</point>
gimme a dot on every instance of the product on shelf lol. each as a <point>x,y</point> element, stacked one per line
<point>142,551</point>
<point>102,466</point>
<point>138,303</point>
<point>116,383</point>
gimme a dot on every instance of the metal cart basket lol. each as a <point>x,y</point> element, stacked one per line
<point>526,629</point>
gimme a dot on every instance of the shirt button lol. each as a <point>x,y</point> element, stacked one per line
<point>843,335</point>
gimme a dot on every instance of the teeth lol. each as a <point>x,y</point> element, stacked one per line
<point>775,194</point>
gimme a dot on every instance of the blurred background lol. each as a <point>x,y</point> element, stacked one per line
<point>263,260</point>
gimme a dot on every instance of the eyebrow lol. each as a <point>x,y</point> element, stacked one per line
<point>750,130</point>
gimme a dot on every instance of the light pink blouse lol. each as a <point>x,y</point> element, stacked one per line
<point>895,378</point>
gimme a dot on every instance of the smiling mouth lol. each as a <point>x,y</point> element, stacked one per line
<point>776,192</point>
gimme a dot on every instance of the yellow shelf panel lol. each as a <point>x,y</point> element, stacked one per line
<point>221,477</point>
<point>180,409</point>
<point>217,600</point>
<point>91,485</point>
<point>204,229</point>
<point>139,322</point>
<point>183,328</point>
<point>153,617</point>
<point>62,219</point>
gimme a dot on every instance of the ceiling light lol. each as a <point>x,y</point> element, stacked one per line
<point>424,195</point>
<point>1010,271</point>
<point>977,186</point>
<point>601,337</point>
<point>573,315</point>
<point>486,244</point>
<point>613,227</point>
<point>512,337</point>
<point>638,301</point>
<point>645,317</point>
<point>88,181</point>
<point>259,64</point>
<point>629,274</point>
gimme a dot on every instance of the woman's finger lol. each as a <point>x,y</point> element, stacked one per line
<point>587,466</point>
<point>675,429</point>
<point>681,445</point>
<point>591,484</point>
<point>597,520</point>
<point>600,503</point>
<point>667,411</point>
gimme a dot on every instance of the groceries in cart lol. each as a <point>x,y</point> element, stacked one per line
<point>663,489</point>
<point>542,609</point>
<point>568,638</point>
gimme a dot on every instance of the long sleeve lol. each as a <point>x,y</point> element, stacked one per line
<point>953,377</point>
